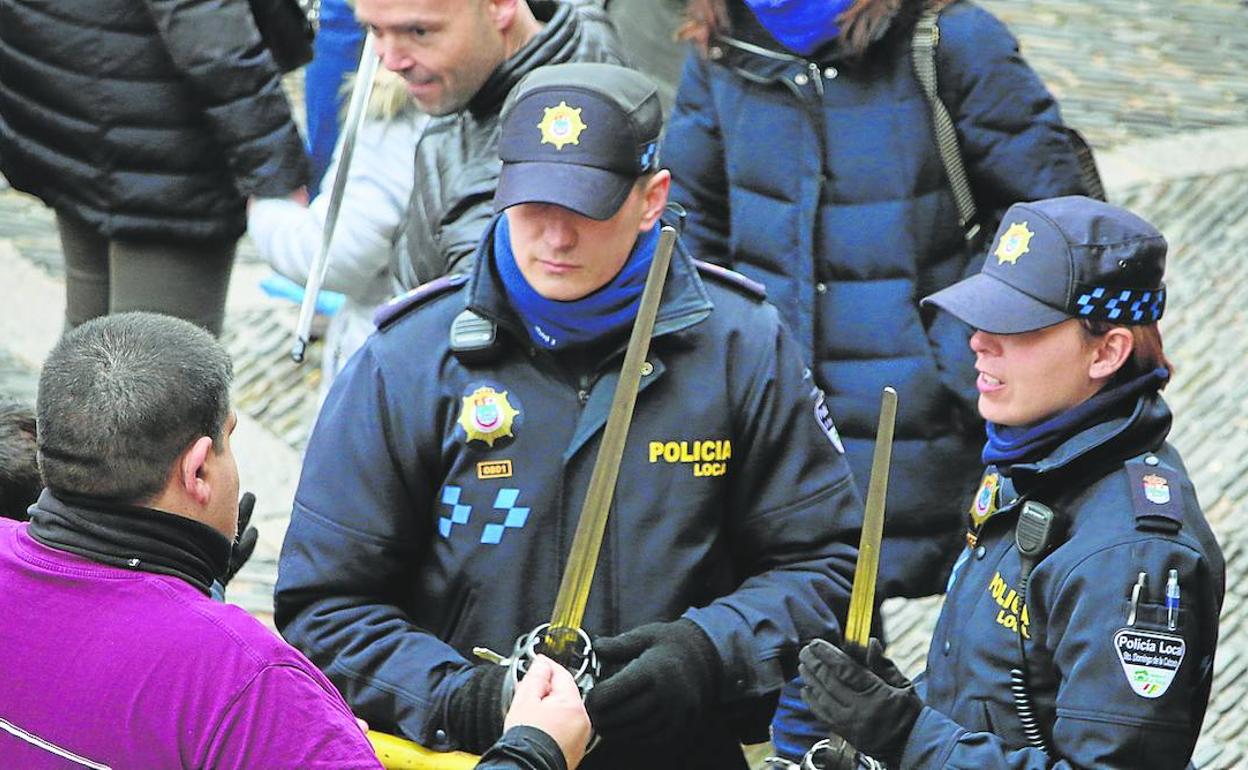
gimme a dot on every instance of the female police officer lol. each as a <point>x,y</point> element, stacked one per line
<point>1081,620</point>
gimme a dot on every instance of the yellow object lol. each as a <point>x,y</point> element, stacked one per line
<point>862,598</point>
<point>578,575</point>
<point>1014,244</point>
<point>399,754</point>
<point>562,125</point>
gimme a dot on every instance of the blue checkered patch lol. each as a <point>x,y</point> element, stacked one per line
<point>1124,306</point>
<point>648,155</point>
<point>459,513</point>
<point>505,500</point>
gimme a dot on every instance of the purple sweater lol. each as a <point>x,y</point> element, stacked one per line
<point>110,668</point>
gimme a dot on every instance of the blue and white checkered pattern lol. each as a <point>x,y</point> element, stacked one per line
<point>516,517</point>
<point>459,513</point>
<point>1125,306</point>
<point>492,534</point>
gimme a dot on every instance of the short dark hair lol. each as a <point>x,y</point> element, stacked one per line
<point>19,470</point>
<point>121,396</point>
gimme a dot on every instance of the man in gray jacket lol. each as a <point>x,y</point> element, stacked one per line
<point>460,60</point>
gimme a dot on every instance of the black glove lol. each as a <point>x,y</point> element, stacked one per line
<point>667,682</point>
<point>474,716</point>
<point>874,707</point>
<point>245,542</point>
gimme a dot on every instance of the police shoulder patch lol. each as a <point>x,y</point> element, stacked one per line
<point>1149,659</point>
<point>398,307</point>
<point>733,279</point>
<point>1156,495</point>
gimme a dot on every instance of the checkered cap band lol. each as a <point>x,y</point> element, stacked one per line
<point>1124,306</point>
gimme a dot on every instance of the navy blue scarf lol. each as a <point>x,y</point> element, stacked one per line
<point>1007,445</point>
<point>559,325</point>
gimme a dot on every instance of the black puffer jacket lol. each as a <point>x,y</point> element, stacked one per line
<point>144,118</point>
<point>457,163</point>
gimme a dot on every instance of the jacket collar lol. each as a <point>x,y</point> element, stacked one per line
<point>131,537</point>
<point>685,300</point>
<point>1097,447</point>
<point>555,43</point>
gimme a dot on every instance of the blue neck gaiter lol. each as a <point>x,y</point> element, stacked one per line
<point>556,325</point>
<point>1007,445</point>
<point>802,26</point>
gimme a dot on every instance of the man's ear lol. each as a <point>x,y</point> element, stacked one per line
<point>502,13</point>
<point>654,198</point>
<point>192,473</point>
<point>1112,350</point>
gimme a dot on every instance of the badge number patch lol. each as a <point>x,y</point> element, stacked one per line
<point>494,469</point>
<point>1149,660</point>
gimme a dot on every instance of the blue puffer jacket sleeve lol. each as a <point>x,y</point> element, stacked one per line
<point>694,152</point>
<point>1009,125</point>
<point>793,534</point>
<point>346,561</point>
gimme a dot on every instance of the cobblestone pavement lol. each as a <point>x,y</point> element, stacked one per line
<point>1157,88</point>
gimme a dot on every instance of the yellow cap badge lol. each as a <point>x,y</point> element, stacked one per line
<point>487,415</point>
<point>562,125</point>
<point>1014,243</point>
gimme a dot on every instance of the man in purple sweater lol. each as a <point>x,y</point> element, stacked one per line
<point>112,651</point>
<point>113,655</point>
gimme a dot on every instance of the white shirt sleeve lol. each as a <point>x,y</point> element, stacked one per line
<point>379,186</point>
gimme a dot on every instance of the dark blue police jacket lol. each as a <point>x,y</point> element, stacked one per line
<point>438,501</point>
<point>1111,691</point>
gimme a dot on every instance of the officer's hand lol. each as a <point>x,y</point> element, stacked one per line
<point>548,699</point>
<point>873,706</point>
<point>245,541</point>
<point>666,685</point>
<point>474,716</point>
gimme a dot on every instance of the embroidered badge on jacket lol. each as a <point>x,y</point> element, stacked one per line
<point>487,415</point>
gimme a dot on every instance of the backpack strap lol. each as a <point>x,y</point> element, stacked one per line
<point>923,55</point>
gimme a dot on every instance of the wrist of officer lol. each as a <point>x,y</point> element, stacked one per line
<point>474,715</point>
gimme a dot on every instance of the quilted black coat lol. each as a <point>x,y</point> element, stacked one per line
<point>144,118</point>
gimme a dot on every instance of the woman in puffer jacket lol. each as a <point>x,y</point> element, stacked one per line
<point>802,146</point>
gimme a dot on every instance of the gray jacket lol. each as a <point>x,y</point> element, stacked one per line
<point>457,163</point>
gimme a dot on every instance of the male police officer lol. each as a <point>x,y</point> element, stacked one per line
<point>443,480</point>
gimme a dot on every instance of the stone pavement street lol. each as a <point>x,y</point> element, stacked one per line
<point>1157,87</point>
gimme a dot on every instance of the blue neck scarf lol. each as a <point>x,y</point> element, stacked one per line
<point>1007,445</point>
<point>556,325</point>
<point>801,26</point>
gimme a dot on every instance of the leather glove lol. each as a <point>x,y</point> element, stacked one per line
<point>872,706</point>
<point>245,543</point>
<point>665,686</point>
<point>474,715</point>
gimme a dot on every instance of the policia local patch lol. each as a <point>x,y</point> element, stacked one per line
<point>1150,660</point>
